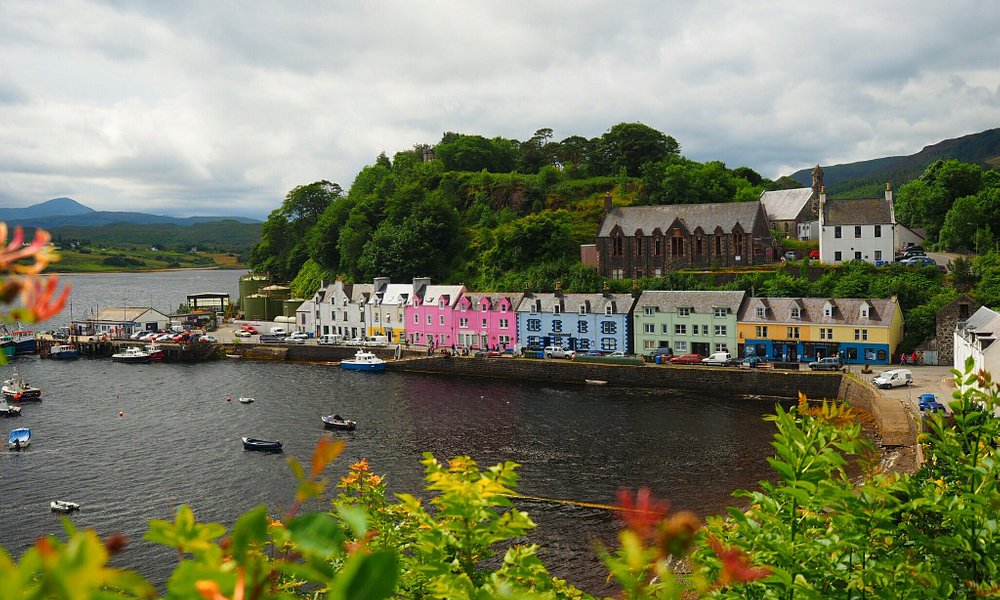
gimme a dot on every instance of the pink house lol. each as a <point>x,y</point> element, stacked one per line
<point>484,320</point>
<point>430,313</point>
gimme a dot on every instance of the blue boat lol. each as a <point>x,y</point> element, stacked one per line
<point>24,341</point>
<point>363,361</point>
<point>259,445</point>
<point>64,352</point>
<point>19,438</point>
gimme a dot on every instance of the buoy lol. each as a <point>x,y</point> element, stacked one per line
<point>229,398</point>
<point>121,413</point>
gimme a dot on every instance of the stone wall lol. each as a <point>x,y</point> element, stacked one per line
<point>893,419</point>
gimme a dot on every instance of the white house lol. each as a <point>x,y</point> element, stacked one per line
<point>793,211</point>
<point>978,337</point>
<point>340,308</point>
<point>857,229</point>
<point>305,317</point>
<point>387,307</point>
<point>122,321</point>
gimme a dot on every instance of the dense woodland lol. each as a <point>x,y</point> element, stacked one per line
<point>502,214</point>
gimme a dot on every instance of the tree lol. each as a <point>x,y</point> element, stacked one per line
<point>961,224</point>
<point>628,146</point>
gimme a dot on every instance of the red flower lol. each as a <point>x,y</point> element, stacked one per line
<point>735,565</point>
<point>643,515</point>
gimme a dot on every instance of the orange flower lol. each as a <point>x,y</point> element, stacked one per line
<point>16,250</point>
<point>735,565</point>
<point>36,296</point>
<point>642,515</point>
<point>361,465</point>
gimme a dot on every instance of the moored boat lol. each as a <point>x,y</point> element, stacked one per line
<point>24,341</point>
<point>17,389</point>
<point>19,438</point>
<point>131,355</point>
<point>7,345</point>
<point>63,506</point>
<point>155,351</point>
<point>245,399</point>
<point>8,410</point>
<point>338,422</point>
<point>363,361</point>
<point>250,443</point>
<point>64,352</point>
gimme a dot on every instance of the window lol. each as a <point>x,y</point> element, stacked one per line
<point>463,307</point>
<point>738,245</point>
<point>581,327</point>
<point>503,308</point>
<point>827,311</point>
<point>534,325</point>
<point>441,320</point>
<point>878,255</point>
<point>609,310</point>
<point>504,340</point>
<point>609,327</point>
<point>718,244</point>
<point>861,335</point>
<point>796,312</point>
<point>761,331</point>
<point>556,309</point>
<point>609,344</point>
<point>680,329</point>
<point>793,332</point>
<point>638,246</point>
<point>416,319</point>
<point>428,320</point>
<point>648,328</point>
<point>504,324</point>
<point>333,315</point>
<point>485,323</point>
<point>583,344</point>
<point>677,244</point>
<point>681,346</point>
<point>857,231</point>
<point>617,273</point>
<point>836,232</point>
<point>657,246</point>
<point>639,274</point>
<point>878,231</point>
<point>720,313</point>
<point>838,256</point>
<point>759,313</point>
<point>665,329</point>
<point>825,333</point>
<point>557,325</point>
<point>583,309</point>
<point>388,318</point>
<point>720,330</point>
<point>648,344</point>
<point>648,310</point>
<point>657,272</point>
<point>684,311</point>
<point>720,348</point>
<point>617,247</point>
<point>857,256</point>
<point>698,247</point>
<point>463,323</point>
<point>864,311</point>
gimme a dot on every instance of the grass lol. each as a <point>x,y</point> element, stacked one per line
<point>114,260</point>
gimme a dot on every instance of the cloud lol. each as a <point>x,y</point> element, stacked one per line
<point>195,108</point>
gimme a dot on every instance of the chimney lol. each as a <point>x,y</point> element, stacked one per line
<point>607,203</point>
<point>892,207</point>
<point>380,284</point>
<point>817,181</point>
<point>636,292</point>
<point>558,292</point>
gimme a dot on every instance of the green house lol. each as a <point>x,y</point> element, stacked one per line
<point>687,322</point>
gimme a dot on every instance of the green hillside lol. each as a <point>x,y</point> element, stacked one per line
<point>868,178</point>
<point>228,236</point>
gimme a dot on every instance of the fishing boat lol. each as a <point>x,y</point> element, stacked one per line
<point>19,438</point>
<point>363,361</point>
<point>155,351</point>
<point>24,341</point>
<point>64,352</point>
<point>8,410</point>
<point>17,389</point>
<point>7,345</point>
<point>245,400</point>
<point>131,355</point>
<point>63,506</point>
<point>338,422</point>
<point>259,445</point>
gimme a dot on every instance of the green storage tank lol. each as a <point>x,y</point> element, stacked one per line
<point>250,284</point>
<point>282,292</point>
<point>255,308</point>
<point>291,305</point>
<point>275,307</point>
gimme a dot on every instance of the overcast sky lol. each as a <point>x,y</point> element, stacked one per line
<point>220,108</point>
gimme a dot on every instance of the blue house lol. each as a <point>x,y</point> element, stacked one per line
<point>579,322</point>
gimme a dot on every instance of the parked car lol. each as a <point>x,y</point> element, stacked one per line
<point>249,328</point>
<point>593,353</point>
<point>299,335</point>
<point>279,331</point>
<point>718,359</point>
<point>208,339</point>
<point>618,354</point>
<point>355,342</point>
<point>827,363</point>
<point>814,255</point>
<point>894,378</point>
<point>686,359</point>
<point>559,352</point>
<point>789,255</point>
<point>294,340</point>
<point>929,402</point>
<point>270,338</point>
<point>330,338</point>
<point>377,341</point>
<point>919,261</point>
<point>243,333</point>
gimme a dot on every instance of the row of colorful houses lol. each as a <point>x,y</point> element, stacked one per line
<point>860,330</point>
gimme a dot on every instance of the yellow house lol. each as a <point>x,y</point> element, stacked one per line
<point>859,330</point>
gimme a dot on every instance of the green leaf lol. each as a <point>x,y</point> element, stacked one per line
<point>317,533</point>
<point>249,529</point>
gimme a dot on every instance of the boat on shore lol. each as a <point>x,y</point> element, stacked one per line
<point>64,352</point>
<point>19,438</point>
<point>259,445</point>
<point>338,422</point>
<point>63,506</point>
<point>363,361</point>
<point>131,355</point>
<point>17,389</point>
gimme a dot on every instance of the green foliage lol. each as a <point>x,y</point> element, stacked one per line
<point>307,281</point>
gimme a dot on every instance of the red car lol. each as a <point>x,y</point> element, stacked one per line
<point>686,359</point>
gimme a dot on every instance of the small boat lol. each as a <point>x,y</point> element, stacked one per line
<point>234,356</point>
<point>64,352</point>
<point>250,443</point>
<point>363,361</point>
<point>155,352</point>
<point>339,422</point>
<point>24,341</point>
<point>245,400</point>
<point>16,388</point>
<point>8,410</point>
<point>19,438</point>
<point>63,506</point>
<point>595,382</point>
<point>131,355</point>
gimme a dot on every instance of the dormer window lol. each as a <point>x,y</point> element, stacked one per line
<point>864,311</point>
<point>648,310</point>
<point>796,312</point>
<point>537,307</point>
<point>720,313</point>
<point>556,309</point>
<point>683,311</point>
<point>583,309</point>
<point>759,312</point>
<point>503,308</point>
<point>441,303</point>
<point>609,309</point>
<point>827,311</point>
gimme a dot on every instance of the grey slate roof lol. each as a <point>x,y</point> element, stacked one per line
<point>707,216</point>
<point>570,303</point>
<point>495,297</point>
<point>785,205</point>
<point>702,302</point>
<point>846,311</point>
<point>856,211</point>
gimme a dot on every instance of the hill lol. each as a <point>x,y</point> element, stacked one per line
<point>868,178</point>
<point>60,212</point>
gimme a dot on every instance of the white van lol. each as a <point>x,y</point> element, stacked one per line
<point>279,331</point>
<point>377,341</point>
<point>893,378</point>
<point>718,359</point>
<point>330,338</point>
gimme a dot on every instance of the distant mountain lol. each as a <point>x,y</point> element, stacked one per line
<point>62,212</point>
<point>868,178</point>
